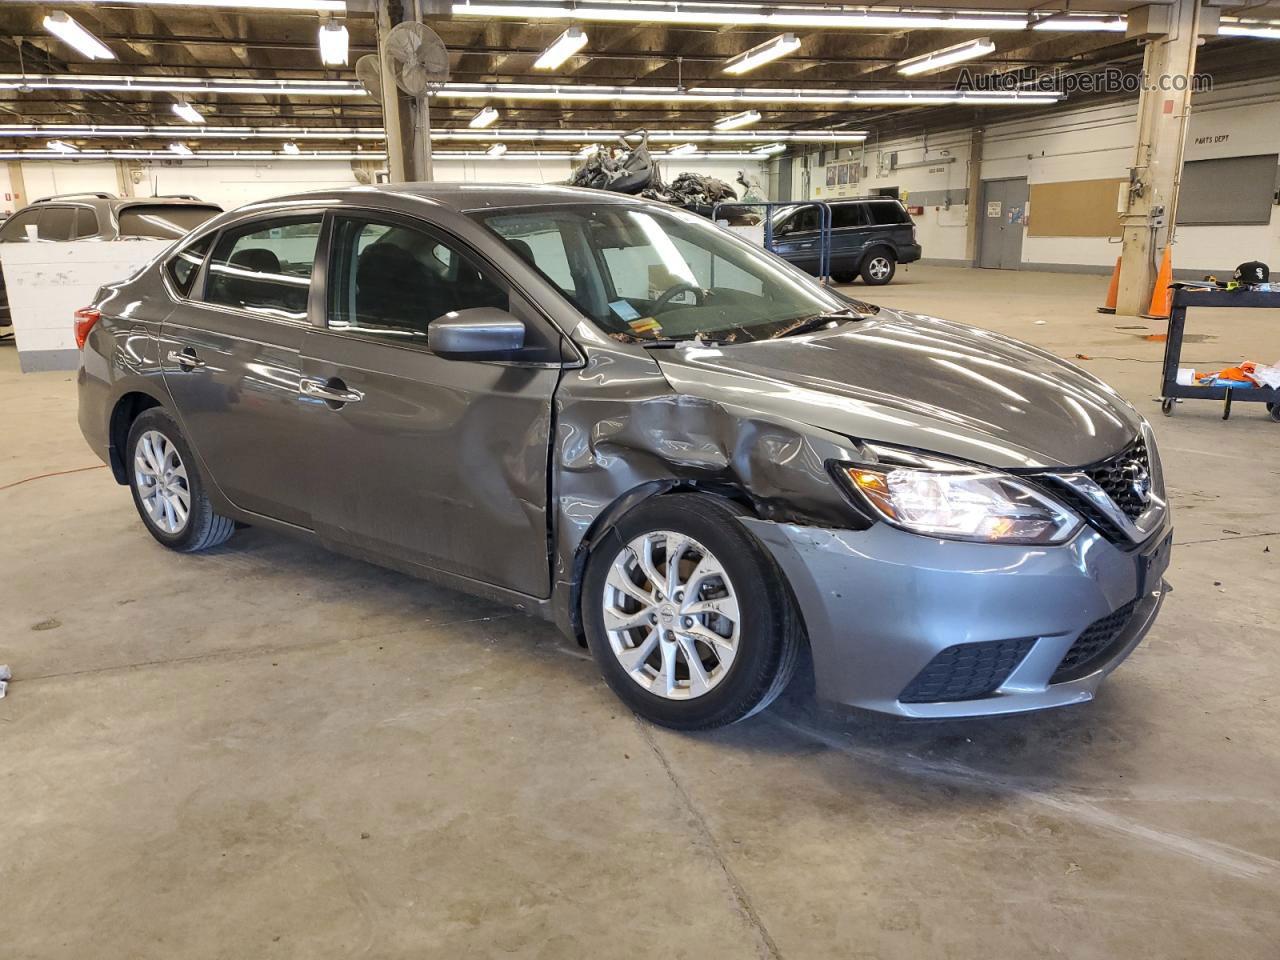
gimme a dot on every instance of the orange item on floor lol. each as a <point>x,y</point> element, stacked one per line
<point>1113,291</point>
<point>1161,298</point>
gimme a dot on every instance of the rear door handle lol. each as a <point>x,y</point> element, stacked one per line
<point>332,390</point>
<point>186,359</point>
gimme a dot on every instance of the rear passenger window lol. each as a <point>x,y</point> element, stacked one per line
<point>887,212</point>
<point>184,265</point>
<point>57,223</point>
<point>265,267</point>
<point>86,223</point>
<point>848,215</point>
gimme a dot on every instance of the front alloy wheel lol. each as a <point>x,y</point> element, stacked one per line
<point>687,614</point>
<point>671,615</point>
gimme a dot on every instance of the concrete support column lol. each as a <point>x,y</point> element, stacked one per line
<point>398,149</point>
<point>17,185</point>
<point>974,193</point>
<point>1148,216</point>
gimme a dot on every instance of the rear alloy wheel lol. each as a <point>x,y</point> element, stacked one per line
<point>167,487</point>
<point>878,268</point>
<point>689,618</point>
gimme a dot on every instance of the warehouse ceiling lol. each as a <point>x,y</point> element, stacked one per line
<point>161,42</point>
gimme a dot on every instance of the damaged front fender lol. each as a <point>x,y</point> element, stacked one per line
<point>623,434</point>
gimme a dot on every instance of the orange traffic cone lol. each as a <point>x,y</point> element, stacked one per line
<point>1112,291</point>
<point>1160,297</point>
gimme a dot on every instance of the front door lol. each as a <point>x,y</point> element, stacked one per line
<point>1003,218</point>
<point>231,361</point>
<point>441,463</point>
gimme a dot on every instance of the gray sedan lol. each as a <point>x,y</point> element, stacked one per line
<point>617,416</point>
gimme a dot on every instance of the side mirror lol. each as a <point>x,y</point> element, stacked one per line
<point>478,333</point>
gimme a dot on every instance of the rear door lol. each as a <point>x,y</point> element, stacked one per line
<point>231,352</point>
<point>849,223</point>
<point>435,462</point>
<point>889,225</point>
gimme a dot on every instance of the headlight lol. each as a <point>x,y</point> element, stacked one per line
<point>957,502</point>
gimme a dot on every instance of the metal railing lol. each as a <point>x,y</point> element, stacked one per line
<point>824,226</point>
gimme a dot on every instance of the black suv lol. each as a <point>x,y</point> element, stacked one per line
<point>101,216</point>
<point>870,236</point>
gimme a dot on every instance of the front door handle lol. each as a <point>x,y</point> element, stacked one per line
<point>186,359</point>
<point>332,390</point>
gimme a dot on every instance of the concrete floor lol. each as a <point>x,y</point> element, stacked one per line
<point>269,751</point>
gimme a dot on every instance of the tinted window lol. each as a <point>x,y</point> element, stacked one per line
<point>184,265</point>
<point>86,223</point>
<point>805,218</point>
<point>848,215</point>
<point>886,212</point>
<point>392,280</point>
<point>265,268</point>
<point>57,223</point>
<point>15,228</point>
<point>163,219</point>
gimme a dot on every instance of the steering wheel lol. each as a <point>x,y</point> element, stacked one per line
<point>672,292</point>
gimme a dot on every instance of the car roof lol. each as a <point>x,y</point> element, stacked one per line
<point>464,197</point>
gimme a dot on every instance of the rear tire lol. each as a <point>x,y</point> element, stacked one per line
<point>167,487</point>
<point>878,268</point>
<point>739,620</point>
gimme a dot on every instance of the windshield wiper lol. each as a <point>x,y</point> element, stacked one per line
<point>677,341</point>
<point>817,322</point>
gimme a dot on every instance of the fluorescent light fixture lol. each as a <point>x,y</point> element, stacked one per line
<point>181,149</point>
<point>566,93</point>
<point>558,135</point>
<point>682,150</point>
<point>717,13</point>
<point>304,6</point>
<point>743,119</point>
<point>291,149</point>
<point>762,53</point>
<point>938,59</point>
<point>1263,29</point>
<point>227,85</point>
<point>564,47</point>
<point>1076,23</point>
<point>187,112</point>
<point>497,150</point>
<point>549,92</point>
<point>334,44</point>
<point>771,148</point>
<point>69,31</point>
<point>484,118</point>
<point>61,146</point>
<point>138,154</point>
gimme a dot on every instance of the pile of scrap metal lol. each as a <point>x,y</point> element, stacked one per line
<point>630,168</point>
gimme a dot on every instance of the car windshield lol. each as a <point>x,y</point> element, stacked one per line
<point>165,220</point>
<point>646,274</point>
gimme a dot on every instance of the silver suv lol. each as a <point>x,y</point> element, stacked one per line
<point>101,216</point>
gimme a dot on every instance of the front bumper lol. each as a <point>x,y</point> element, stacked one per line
<point>880,604</point>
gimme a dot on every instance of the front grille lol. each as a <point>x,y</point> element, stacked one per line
<point>1093,645</point>
<point>966,671</point>
<point>1110,475</point>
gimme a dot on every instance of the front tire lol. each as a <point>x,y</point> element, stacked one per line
<point>688,617</point>
<point>879,268</point>
<point>167,487</point>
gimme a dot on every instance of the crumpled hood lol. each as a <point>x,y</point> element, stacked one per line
<point>905,379</point>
